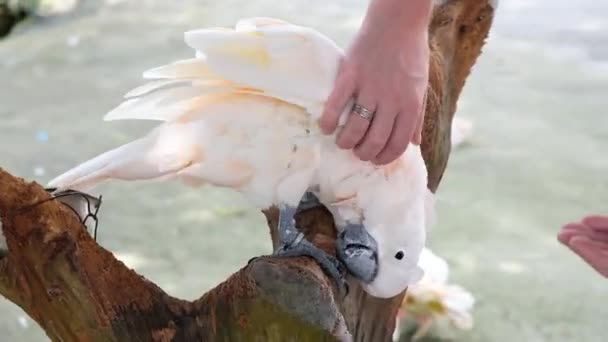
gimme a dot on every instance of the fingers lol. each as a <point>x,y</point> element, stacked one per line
<point>591,226</point>
<point>408,128</point>
<point>564,236</point>
<point>378,134</point>
<point>572,229</point>
<point>343,91</point>
<point>597,222</point>
<point>593,252</point>
<point>356,126</point>
<point>398,140</point>
<point>588,243</point>
<point>396,122</point>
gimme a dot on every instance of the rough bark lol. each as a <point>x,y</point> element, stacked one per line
<point>77,291</point>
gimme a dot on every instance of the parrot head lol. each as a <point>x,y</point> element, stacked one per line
<point>385,261</point>
<point>398,268</point>
<point>382,237</point>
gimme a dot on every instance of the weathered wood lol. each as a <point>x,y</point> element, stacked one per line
<point>457,33</point>
<point>77,291</point>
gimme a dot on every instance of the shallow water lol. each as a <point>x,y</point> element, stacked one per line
<point>536,160</point>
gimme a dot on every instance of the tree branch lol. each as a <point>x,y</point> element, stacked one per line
<point>76,290</point>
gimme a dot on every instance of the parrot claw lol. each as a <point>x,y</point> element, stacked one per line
<point>358,250</point>
<point>329,264</point>
<point>294,244</point>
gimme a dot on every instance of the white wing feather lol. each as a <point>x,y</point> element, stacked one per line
<point>194,68</point>
<point>261,56</point>
<point>270,58</point>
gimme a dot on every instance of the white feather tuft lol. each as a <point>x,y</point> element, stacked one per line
<point>164,151</point>
<point>194,68</point>
<point>154,86</point>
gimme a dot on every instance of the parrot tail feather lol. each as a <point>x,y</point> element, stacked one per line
<point>141,159</point>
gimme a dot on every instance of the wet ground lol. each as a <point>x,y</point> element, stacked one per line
<point>537,158</point>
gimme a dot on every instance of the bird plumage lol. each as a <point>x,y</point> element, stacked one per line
<point>243,114</point>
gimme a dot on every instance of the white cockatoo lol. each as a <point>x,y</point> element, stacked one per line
<point>434,300</point>
<point>243,114</point>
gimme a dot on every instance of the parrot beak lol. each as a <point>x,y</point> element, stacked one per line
<point>358,250</point>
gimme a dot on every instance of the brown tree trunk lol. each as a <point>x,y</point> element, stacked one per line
<point>77,291</point>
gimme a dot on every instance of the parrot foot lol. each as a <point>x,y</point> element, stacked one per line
<point>358,250</point>
<point>329,264</point>
<point>294,244</point>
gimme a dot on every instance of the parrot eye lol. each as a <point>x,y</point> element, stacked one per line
<point>399,255</point>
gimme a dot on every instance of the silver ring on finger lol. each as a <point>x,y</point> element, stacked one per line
<point>363,112</point>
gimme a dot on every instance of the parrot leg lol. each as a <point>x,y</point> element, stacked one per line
<point>358,250</point>
<point>294,244</point>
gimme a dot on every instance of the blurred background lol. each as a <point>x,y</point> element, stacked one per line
<point>536,158</point>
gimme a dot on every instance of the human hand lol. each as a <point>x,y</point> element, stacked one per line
<point>589,240</point>
<point>386,71</point>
